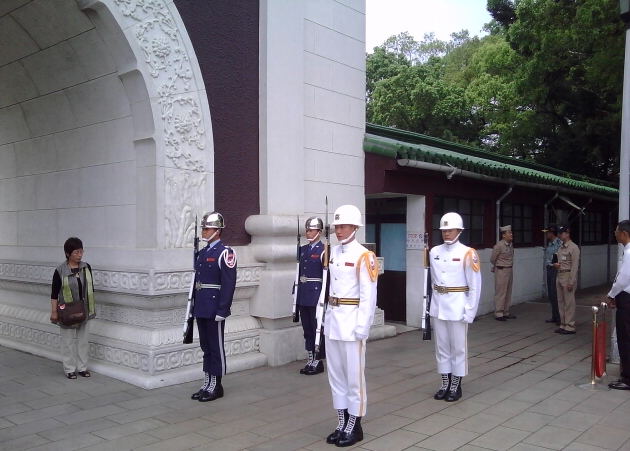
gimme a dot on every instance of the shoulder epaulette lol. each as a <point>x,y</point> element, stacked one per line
<point>370,262</point>
<point>474,259</point>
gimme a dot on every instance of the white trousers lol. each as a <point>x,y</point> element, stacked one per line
<point>451,346</point>
<point>346,375</point>
<point>74,348</point>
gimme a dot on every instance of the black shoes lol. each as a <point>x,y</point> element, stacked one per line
<point>333,438</point>
<point>558,331</point>
<point>454,396</point>
<point>553,321</point>
<point>211,395</point>
<point>500,318</point>
<point>566,332</point>
<point>319,368</point>
<point>197,395</point>
<point>350,438</point>
<point>509,317</point>
<point>306,368</point>
<point>441,394</point>
<point>619,385</point>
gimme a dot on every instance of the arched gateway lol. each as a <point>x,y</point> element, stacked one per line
<point>106,134</point>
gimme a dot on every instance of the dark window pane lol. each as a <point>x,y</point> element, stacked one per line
<point>464,206</point>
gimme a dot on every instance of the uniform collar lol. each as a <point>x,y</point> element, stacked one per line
<point>213,244</point>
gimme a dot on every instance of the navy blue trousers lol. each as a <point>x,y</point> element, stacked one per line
<point>552,291</point>
<point>211,341</point>
<point>309,325</point>
<point>623,333</point>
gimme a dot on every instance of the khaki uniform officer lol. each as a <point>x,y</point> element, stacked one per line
<point>353,271</point>
<point>455,298</point>
<point>502,260</point>
<point>566,284</point>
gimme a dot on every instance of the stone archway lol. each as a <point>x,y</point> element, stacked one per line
<point>105,134</point>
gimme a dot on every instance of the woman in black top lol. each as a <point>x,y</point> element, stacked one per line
<point>72,282</point>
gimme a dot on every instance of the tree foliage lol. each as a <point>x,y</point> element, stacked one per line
<point>545,85</point>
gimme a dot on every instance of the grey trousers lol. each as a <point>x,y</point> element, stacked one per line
<point>74,348</point>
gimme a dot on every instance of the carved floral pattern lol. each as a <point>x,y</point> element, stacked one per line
<point>168,63</point>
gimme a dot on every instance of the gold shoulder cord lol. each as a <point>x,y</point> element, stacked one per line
<point>474,260</point>
<point>370,262</point>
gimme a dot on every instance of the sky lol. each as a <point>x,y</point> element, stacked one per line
<point>390,17</point>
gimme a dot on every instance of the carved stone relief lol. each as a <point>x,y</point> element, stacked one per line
<point>184,135</point>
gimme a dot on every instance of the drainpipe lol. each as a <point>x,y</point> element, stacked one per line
<point>580,239</point>
<point>498,208</point>
<point>546,221</point>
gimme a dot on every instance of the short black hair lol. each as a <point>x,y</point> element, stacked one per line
<point>72,244</point>
<point>624,226</point>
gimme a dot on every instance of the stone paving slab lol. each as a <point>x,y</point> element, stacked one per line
<point>520,395</point>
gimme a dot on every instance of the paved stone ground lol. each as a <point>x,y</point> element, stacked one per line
<point>520,395</point>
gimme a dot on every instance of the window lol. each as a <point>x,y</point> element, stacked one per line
<point>520,217</point>
<point>592,228</point>
<point>471,212</point>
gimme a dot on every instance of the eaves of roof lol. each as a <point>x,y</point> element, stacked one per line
<point>403,145</point>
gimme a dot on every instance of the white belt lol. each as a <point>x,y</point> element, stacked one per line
<point>304,279</point>
<point>200,286</point>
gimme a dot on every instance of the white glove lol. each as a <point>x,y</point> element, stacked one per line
<point>219,318</point>
<point>359,336</point>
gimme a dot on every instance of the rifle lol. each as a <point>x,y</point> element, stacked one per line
<point>296,311</point>
<point>189,318</point>
<point>322,303</point>
<point>428,290</point>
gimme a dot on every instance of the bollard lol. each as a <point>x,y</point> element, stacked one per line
<point>593,384</point>
<point>600,351</point>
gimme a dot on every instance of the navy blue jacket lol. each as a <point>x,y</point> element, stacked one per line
<point>310,267</point>
<point>216,266</point>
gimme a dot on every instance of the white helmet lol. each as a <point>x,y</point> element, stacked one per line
<point>212,220</point>
<point>451,221</point>
<point>347,214</point>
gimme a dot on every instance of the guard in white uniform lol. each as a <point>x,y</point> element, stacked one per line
<point>353,271</point>
<point>456,290</point>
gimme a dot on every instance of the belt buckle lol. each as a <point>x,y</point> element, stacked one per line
<point>303,279</point>
<point>441,289</point>
<point>198,286</point>
<point>333,301</point>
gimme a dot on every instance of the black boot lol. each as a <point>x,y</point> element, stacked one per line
<point>316,367</point>
<point>443,391</point>
<point>342,417</point>
<point>307,367</point>
<point>214,390</point>
<point>352,433</point>
<point>455,391</point>
<point>198,394</point>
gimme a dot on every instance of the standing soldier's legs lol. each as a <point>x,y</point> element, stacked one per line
<point>211,342</point>
<point>508,290</point>
<point>442,345</point>
<point>337,374</point>
<point>552,275</point>
<point>569,309</point>
<point>309,325</point>
<point>622,317</point>
<point>500,292</point>
<point>561,302</point>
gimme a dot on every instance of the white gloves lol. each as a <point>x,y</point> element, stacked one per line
<point>359,336</point>
<point>219,318</point>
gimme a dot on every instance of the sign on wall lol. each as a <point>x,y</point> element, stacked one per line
<point>415,240</point>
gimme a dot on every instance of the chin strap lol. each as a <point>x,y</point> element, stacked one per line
<point>212,236</point>
<point>310,240</point>
<point>349,238</point>
<point>453,241</point>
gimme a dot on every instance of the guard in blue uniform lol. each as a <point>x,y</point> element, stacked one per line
<point>215,281</point>
<point>309,289</point>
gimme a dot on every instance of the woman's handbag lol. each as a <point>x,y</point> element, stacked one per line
<point>71,313</point>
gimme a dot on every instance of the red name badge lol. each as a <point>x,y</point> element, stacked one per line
<point>314,256</point>
<point>211,259</point>
<point>457,259</point>
<point>349,264</point>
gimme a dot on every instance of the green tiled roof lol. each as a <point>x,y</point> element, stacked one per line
<point>400,144</point>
